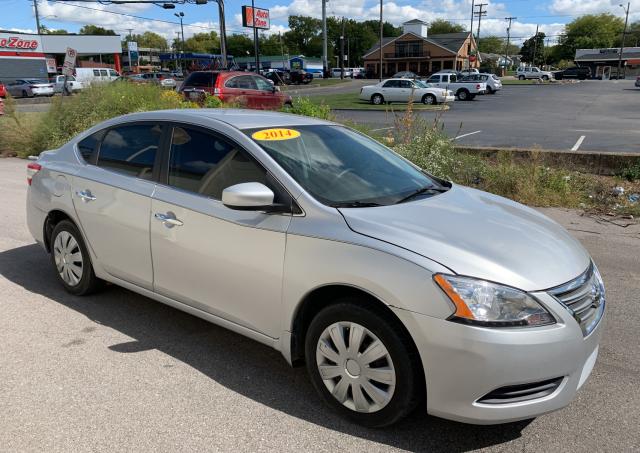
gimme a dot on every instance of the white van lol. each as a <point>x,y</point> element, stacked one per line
<point>89,76</point>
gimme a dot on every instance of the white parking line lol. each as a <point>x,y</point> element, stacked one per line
<point>382,129</point>
<point>466,135</point>
<point>578,143</point>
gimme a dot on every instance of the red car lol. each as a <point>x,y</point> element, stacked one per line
<point>3,91</point>
<point>246,88</point>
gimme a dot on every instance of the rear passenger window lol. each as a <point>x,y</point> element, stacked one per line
<point>206,164</point>
<point>96,73</point>
<point>103,72</point>
<point>201,79</point>
<point>87,145</point>
<point>130,149</point>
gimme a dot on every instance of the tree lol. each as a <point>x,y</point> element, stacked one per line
<point>149,39</point>
<point>633,34</point>
<point>239,45</point>
<point>304,36</point>
<point>532,50</point>
<point>50,31</point>
<point>591,31</point>
<point>203,43</point>
<point>497,45</point>
<point>440,26</point>
<point>95,30</point>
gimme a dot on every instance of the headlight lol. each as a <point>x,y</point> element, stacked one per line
<point>483,303</point>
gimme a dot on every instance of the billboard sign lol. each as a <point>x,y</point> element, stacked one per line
<point>132,48</point>
<point>255,18</point>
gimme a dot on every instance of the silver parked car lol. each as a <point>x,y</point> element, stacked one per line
<point>396,288</point>
<point>28,88</point>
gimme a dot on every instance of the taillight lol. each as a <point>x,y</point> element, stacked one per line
<point>477,86</point>
<point>32,170</point>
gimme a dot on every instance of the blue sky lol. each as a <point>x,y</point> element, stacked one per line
<point>551,15</point>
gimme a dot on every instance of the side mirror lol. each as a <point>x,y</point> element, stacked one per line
<point>248,196</point>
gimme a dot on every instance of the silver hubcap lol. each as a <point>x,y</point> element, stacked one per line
<point>355,367</point>
<point>68,258</point>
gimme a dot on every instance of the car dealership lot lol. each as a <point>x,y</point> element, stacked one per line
<point>117,371</point>
<point>548,116</point>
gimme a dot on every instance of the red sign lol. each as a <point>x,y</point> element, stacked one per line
<point>13,42</point>
<point>255,17</point>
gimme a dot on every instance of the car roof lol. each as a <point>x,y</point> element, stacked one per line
<point>237,118</point>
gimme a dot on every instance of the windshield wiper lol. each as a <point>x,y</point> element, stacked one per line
<point>420,192</point>
<point>356,204</point>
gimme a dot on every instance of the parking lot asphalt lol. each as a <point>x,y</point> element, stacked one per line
<point>604,113</point>
<point>119,372</point>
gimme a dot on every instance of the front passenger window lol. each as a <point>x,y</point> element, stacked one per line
<point>206,164</point>
<point>130,149</point>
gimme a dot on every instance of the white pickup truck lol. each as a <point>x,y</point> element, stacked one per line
<point>532,72</point>
<point>73,86</point>
<point>465,91</point>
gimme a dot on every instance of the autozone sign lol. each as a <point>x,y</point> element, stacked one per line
<point>255,17</point>
<point>15,42</point>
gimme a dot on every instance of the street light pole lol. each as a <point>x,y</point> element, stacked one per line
<point>255,38</point>
<point>180,15</point>
<point>624,34</point>
<point>325,54</point>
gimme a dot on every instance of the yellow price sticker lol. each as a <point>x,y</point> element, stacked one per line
<point>275,134</point>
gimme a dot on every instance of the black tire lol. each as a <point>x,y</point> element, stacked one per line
<point>429,99</point>
<point>25,94</point>
<point>545,77</point>
<point>409,385</point>
<point>88,282</point>
<point>490,90</point>
<point>521,77</point>
<point>463,94</point>
<point>377,99</point>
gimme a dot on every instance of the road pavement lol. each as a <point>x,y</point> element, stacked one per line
<point>119,372</point>
<point>592,115</point>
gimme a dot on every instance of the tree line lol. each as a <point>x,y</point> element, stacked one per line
<point>304,37</point>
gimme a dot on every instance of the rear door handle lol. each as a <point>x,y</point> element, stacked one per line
<point>85,195</point>
<point>169,219</point>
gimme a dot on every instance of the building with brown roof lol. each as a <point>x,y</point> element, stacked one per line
<point>416,52</point>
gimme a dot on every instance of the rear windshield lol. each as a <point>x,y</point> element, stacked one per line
<point>201,79</point>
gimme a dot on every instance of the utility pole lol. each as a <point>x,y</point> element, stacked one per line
<point>480,13</point>
<point>535,46</point>
<point>342,51</point>
<point>473,8</point>
<point>506,49</point>
<point>35,7</point>
<point>325,65</point>
<point>181,50</point>
<point>624,34</point>
<point>381,33</point>
<point>180,16</point>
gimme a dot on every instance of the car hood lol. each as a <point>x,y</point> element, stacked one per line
<point>480,235</point>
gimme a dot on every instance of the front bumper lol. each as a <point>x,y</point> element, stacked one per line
<point>464,363</point>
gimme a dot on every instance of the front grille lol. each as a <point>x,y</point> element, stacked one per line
<point>521,392</point>
<point>584,297</point>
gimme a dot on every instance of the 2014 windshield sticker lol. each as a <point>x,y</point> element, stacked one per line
<point>275,134</point>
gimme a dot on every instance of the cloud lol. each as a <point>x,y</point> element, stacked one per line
<point>580,7</point>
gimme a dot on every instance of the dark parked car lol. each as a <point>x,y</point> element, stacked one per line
<point>301,76</point>
<point>245,88</point>
<point>576,72</point>
<point>279,77</point>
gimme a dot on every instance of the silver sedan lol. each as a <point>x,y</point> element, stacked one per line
<point>30,88</point>
<point>394,287</point>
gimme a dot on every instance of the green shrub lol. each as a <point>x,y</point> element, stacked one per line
<point>212,102</point>
<point>304,106</point>
<point>70,115</point>
<point>631,173</point>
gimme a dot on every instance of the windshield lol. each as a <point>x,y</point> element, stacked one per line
<point>342,168</point>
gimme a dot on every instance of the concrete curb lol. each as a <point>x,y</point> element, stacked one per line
<point>439,108</point>
<point>594,162</point>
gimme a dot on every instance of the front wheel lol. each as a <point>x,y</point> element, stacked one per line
<point>362,365</point>
<point>463,95</point>
<point>429,99</point>
<point>521,77</point>
<point>377,99</point>
<point>545,78</point>
<point>490,90</point>
<point>71,260</point>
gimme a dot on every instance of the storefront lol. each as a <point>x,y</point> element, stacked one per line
<point>25,55</point>
<point>604,62</point>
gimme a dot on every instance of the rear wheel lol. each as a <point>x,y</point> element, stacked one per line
<point>25,94</point>
<point>429,99</point>
<point>545,77</point>
<point>71,260</point>
<point>463,94</point>
<point>377,99</point>
<point>490,90</point>
<point>521,77</point>
<point>362,365</point>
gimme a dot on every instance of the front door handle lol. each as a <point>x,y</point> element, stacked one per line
<point>85,195</point>
<point>169,219</point>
